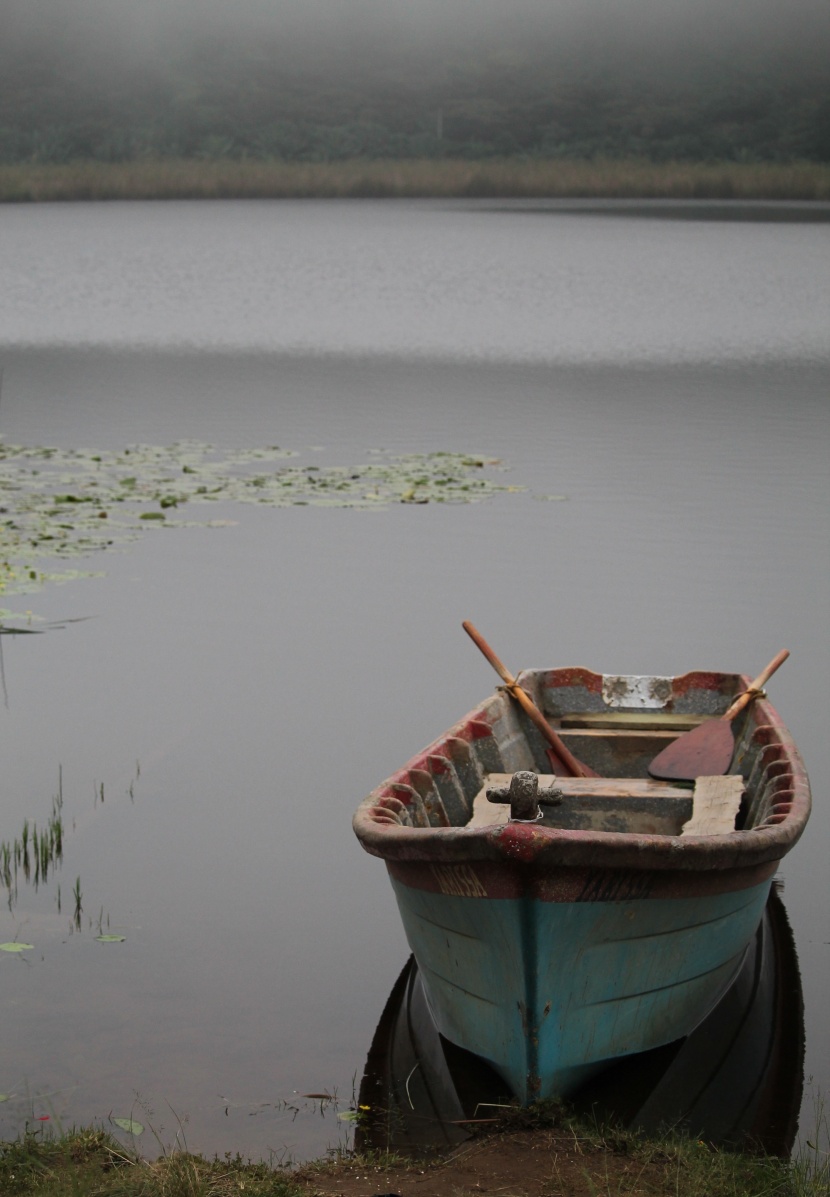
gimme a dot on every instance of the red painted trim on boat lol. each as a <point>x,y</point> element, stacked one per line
<point>491,880</point>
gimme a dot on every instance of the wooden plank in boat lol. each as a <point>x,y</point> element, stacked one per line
<point>632,721</point>
<point>487,813</point>
<point>715,805</point>
<point>600,787</point>
<point>612,789</point>
<point>642,735</point>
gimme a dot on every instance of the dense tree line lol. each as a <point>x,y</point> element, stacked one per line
<point>91,92</point>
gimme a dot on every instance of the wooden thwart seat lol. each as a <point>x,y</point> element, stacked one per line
<point>600,787</point>
<point>613,790</point>
<point>714,801</point>
<point>627,721</point>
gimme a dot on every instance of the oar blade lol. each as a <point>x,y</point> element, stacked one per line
<point>705,752</point>
<point>561,769</point>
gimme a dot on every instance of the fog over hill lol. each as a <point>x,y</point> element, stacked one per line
<point>314,79</point>
<point>104,24</point>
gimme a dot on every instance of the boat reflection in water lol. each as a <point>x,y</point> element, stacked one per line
<point>736,1080</point>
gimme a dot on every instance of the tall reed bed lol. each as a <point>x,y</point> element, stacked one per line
<point>358,178</point>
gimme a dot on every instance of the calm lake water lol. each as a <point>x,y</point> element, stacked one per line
<point>236,690</point>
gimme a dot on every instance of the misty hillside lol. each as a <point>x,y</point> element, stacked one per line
<point>115,81</point>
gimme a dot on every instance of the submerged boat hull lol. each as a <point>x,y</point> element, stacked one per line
<point>550,948</point>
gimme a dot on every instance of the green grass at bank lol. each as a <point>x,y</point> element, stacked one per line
<point>538,178</point>
<point>90,1163</point>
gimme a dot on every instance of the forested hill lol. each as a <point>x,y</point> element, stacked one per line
<point>94,81</point>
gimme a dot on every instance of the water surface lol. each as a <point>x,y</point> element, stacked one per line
<point>239,689</point>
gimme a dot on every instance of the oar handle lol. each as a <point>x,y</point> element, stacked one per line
<point>526,702</point>
<point>479,641</point>
<point>763,677</point>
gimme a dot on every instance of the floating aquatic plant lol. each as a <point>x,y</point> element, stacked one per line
<point>129,1125</point>
<point>59,504</point>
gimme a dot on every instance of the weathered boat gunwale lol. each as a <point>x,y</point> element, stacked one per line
<point>383,820</point>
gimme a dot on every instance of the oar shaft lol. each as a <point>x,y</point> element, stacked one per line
<point>763,677</point>
<point>526,703</point>
<point>479,641</point>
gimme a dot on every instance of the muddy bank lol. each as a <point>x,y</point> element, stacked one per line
<point>548,1163</point>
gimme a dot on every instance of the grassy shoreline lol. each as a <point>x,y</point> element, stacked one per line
<point>361,178</point>
<point>531,1155</point>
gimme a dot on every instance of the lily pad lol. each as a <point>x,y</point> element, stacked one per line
<point>70,503</point>
<point>16,947</point>
<point>129,1125</point>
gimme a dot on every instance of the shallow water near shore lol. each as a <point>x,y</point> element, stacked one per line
<point>657,388</point>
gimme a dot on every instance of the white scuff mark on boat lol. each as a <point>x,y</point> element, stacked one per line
<point>633,691</point>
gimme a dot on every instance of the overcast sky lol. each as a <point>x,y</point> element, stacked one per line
<point>642,26</point>
<point>773,18</point>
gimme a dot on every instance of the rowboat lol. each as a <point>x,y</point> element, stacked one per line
<point>561,923</point>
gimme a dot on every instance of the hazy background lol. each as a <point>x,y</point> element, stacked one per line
<point>382,78</point>
<point>638,26</point>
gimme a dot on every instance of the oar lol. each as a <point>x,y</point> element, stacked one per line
<point>707,750</point>
<point>566,757</point>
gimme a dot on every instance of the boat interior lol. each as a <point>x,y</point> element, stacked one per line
<point>614,732</point>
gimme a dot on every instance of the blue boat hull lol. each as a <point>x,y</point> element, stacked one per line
<point>736,1081</point>
<point>549,991</point>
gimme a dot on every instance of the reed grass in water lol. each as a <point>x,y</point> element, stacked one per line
<point>358,178</point>
<point>35,852</point>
